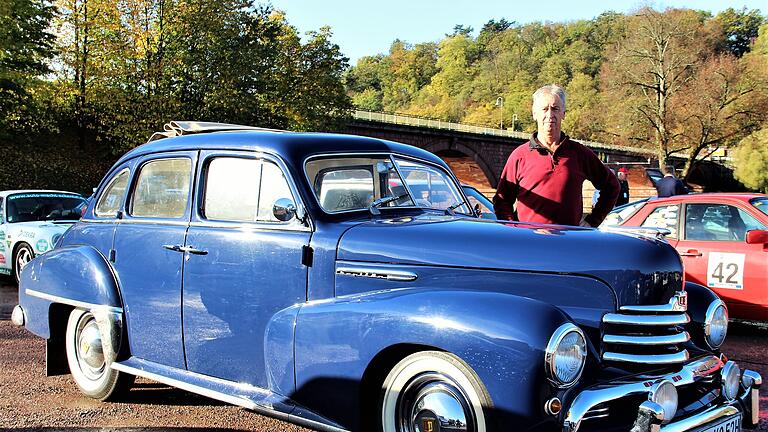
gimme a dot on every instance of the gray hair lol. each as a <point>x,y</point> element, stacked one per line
<point>552,89</point>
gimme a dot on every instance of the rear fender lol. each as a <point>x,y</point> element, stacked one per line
<point>502,337</point>
<point>72,277</point>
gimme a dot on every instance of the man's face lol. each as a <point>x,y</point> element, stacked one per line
<point>621,175</point>
<point>549,113</point>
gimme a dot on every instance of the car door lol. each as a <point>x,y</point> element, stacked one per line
<point>147,260</point>
<point>242,267</point>
<point>715,253</point>
<point>5,258</point>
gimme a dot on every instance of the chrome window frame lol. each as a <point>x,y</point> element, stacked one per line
<point>302,221</point>
<point>103,194</point>
<point>136,176</point>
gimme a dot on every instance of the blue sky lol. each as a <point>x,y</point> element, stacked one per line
<point>363,27</point>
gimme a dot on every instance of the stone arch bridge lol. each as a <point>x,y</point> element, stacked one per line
<point>476,154</point>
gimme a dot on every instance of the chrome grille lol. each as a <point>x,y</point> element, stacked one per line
<point>647,334</point>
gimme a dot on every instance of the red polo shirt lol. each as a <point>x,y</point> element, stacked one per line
<point>547,186</point>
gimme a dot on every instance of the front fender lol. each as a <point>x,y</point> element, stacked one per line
<point>502,337</point>
<point>77,276</point>
<point>699,299</point>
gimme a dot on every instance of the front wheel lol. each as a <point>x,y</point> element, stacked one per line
<point>430,391</point>
<point>85,355</point>
<point>24,255</point>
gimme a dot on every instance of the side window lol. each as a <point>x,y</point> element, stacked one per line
<point>243,190</point>
<point>2,211</point>
<point>273,187</point>
<point>232,189</point>
<point>345,188</point>
<point>665,217</point>
<point>162,189</point>
<point>113,195</point>
<point>718,222</point>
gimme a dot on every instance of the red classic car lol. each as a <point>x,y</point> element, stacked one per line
<point>722,239</point>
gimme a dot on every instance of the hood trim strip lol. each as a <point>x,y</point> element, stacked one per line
<point>377,273</point>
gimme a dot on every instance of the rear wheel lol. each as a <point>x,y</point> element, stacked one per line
<point>24,255</point>
<point>85,355</point>
<point>430,391</point>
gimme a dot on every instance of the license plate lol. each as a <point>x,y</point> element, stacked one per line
<point>729,424</point>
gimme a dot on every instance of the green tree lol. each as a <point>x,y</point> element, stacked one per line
<point>740,28</point>
<point>447,93</point>
<point>751,157</point>
<point>25,47</point>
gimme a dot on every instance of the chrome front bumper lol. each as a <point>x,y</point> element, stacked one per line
<point>650,417</point>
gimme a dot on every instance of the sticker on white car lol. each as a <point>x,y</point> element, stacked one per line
<point>725,270</point>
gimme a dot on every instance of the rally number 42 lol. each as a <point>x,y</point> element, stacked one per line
<point>725,270</point>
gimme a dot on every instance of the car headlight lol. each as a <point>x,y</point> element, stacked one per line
<point>716,324</point>
<point>664,393</point>
<point>730,378</point>
<point>565,355</point>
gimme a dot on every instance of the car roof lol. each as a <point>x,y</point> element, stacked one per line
<point>17,191</point>
<point>294,147</point>
<point>709,196</point>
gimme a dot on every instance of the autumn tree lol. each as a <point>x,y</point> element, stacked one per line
<point>646,72</point>
<point>718,107</point>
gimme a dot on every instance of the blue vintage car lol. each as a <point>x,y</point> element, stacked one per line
<point>344,283</point>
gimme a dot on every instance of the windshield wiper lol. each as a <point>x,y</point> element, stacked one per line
<point>374,207</point>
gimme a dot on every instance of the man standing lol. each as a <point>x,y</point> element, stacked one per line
<point>624,186</point>
<point>670,185</point>
<point>545,175</point>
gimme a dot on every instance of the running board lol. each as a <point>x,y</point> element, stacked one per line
<point>253,398</point>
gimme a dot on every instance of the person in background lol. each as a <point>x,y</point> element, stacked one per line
<point>596,193</point>
<point>624,185</point>
<point>670,185</point>
<point>544,176</point>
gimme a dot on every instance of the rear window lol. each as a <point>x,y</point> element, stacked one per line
<point>761,204</point>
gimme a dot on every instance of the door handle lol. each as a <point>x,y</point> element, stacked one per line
<point>192,250</point>
<point>691,253</point>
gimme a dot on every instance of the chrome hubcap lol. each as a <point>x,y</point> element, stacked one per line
<point>432,403</point>
<point>90,354</point>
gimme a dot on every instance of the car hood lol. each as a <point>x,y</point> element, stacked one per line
<point>627,263</point>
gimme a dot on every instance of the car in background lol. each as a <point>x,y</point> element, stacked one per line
<point>344,283</point>
<point>482,206</point>
<point>31,221</point>
<point>722,239</point>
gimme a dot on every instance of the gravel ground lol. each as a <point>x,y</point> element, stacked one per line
<point>30,401</point>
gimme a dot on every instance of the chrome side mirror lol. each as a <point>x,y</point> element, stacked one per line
<point>284,209</point>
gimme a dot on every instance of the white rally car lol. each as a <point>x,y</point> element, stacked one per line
<point>31,221</point>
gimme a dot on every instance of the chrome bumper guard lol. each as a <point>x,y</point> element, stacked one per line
<point>650,416</point>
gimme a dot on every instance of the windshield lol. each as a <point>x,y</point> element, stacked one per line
<point>28,207</point>
<point>761,204</point>
<point>355,183</point>
<point>619,214</point>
